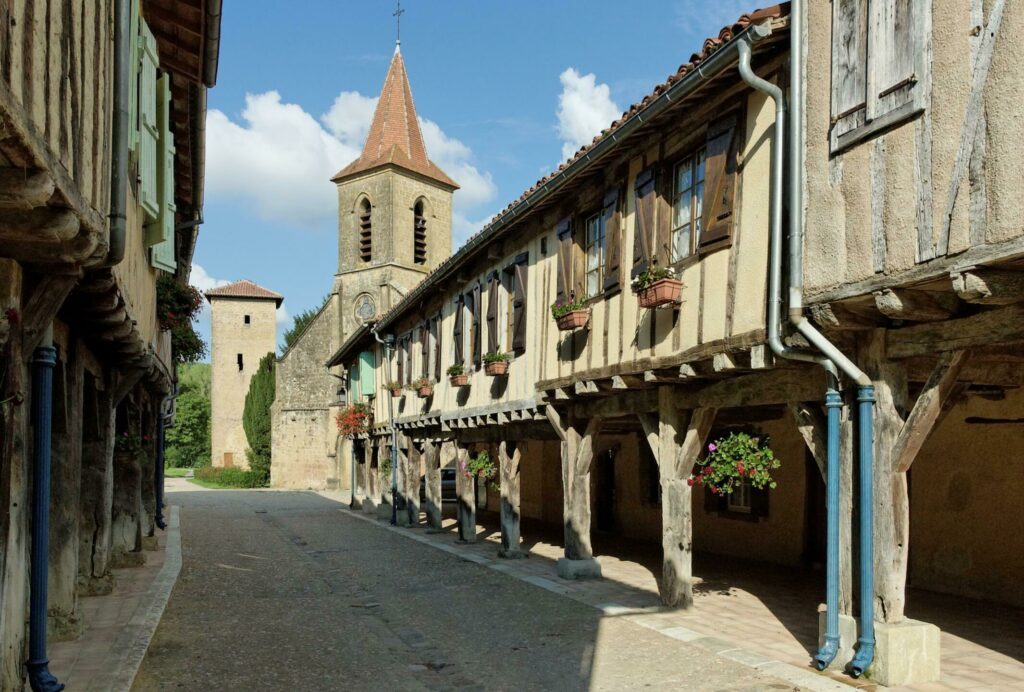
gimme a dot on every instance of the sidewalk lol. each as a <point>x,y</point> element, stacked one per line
<point>119,626</point>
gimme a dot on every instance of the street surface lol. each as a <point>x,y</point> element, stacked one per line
<point>283,591</point>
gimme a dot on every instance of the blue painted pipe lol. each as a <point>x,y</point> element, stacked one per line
<point>158,479</point>
<point>39,676</point>
<point>828,651</point>
<point>866,649</point>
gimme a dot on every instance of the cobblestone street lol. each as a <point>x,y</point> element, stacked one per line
<point>285,591</point>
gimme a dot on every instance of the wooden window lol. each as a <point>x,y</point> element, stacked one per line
<point>739,499</point>
<point>564,286</point>
<point>248,320</point>
<point>458,333</point>
<point>476,342</point>
<point>643,225</point>
<point>880,65</point>
<point>366,376</point>
<point>365,231</point>
<point>613,240</point>
<point>241,362</point>
<point>419,234</point>
<point>687,204</point>
<point>594,249</point>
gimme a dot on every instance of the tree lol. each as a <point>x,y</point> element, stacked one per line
<point>188,442</point>
<point>256,418</point>
<point>302,321</point>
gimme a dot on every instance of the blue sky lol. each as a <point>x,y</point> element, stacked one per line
<point>505,88</point>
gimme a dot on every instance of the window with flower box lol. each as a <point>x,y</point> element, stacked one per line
<point>594,252</point>
<point>687,204</point>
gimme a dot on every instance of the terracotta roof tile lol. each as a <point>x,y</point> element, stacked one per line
<point>244,289</point>
<point>395,136</point>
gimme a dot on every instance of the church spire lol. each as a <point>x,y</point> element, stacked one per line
<point>395,137</point>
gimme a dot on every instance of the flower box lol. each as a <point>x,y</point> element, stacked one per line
<point>496,368</point>
<point>396,393</point>
<point>459,380</point>
<point>424,392</point>
<point>661,292</point>
<point>573,320</point>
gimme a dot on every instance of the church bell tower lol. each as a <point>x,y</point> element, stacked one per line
<point>394,209</point>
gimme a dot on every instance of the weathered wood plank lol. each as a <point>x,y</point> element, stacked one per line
<point>1003,325</point>
<point>42,306</point>
<point>23,189</point>
<point>927,409</point>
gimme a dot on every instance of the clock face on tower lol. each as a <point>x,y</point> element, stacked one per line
<point>365,309</point>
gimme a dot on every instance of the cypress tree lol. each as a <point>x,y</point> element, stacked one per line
<point>256,419</point>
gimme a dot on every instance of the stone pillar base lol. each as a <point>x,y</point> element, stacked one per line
<point>512,553</point>
<point>121,559</point>
<point>95,586</point>
<point>905,653</point>
<point>435,529</point>
<point>150,543</point>
<point>579,569</point>
<point>63,627</point>
<point>847,638</point>
<point>384,512</point>
<point>356,504</point>
<point>369,506</point>
<point>402,519</point>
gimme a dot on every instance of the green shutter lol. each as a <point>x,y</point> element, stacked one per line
<point>135,57</point>
<point>353,384</point>
<point>149,133</point>
<point>161,229</point>
<point>366,373</point>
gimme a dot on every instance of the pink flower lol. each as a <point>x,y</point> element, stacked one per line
<point>739,467</point>
<point>712,447</point>
<point>690,481</point>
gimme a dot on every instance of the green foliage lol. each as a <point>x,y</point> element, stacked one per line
<point>177,307</point>
<point>188,442</point>
<point>226,477</point>
<point>456,370</point>
<point>422,383</point>
<point>256,418</point>
<point>565,307</point>
<point>495,357</point>
<point>301,321</point>
<point>354,419</point>
<point>736,458</point>
<point>652,275</point>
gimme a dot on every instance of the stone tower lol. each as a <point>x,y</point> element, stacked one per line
<point>244,330</point>
<point>394,209</point>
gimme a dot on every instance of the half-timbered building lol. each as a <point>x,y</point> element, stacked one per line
<point>102,109</point>
<point>834,185</point>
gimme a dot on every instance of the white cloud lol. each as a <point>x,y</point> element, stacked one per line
<point>203,281</point>
<point>284,320</point>
<point>279,159</point>
<point>584,109</point>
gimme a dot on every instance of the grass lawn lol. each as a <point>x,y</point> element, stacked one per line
<point>176,472</point>
<point>213,485</point>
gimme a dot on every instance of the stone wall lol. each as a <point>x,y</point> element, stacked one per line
<point>231,337</point>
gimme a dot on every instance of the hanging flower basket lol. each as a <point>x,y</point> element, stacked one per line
<point>657,287</point>
<point>394,388</point>
<point>733,459</point>
<point>423,387</point>
<point>457,376</point>
<point>483,467</point>
<point>572,314</point>
<point>496,364</point>
<point>354,419</point>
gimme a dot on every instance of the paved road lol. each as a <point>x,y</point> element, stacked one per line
<point>283,591</point>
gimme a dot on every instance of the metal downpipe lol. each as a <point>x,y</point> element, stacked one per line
<point>119,135</point>
<point>43,360</point>
<point>865,428</point>
<point>827,653</point>
<point>158,471</point>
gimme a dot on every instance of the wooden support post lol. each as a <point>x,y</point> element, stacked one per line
<point>434,501</point>
<point>811,423</point>
<point>675,447</point>
<point>578,437</point>
<point>412,484</point>
<point>509,471</point>
<point>896,445</point>
<point>402,499</point>
<point>42,306</point>
<point>465,487</point>
<point>126,513</point>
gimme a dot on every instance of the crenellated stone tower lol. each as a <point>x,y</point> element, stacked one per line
<point>394,227</point>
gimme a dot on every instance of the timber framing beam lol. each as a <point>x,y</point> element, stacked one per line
<point>939,391</point>
<point>999,326</point>
<point>989,286</point>
<point>915,306</point>
<point>41,308</point>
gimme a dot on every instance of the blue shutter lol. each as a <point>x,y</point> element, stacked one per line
<point>366,373</point>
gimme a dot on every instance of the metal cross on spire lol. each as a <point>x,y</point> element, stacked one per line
<point>398,21</point>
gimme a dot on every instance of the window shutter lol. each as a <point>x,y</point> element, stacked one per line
<point>408,358</point>
<point>162,228</point>
<point>661,249</point>
<point>435,334</point>
<point>400,361</point>
<point>720,179</point>
<point>759,502</point>
<point>457,341</point>
<point>148,127</point>
<point>476,307</point>
<point>849,65</point>
<point>134,71</point>
<point>519,308</point>
<point>353,383</point>
<point>643,224</point>
<point>891,52</point>
<point>492,312</point>
<point>612,239</point>
<point>564,284</point>
<point>424,351</point>
<point>367,382</point>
